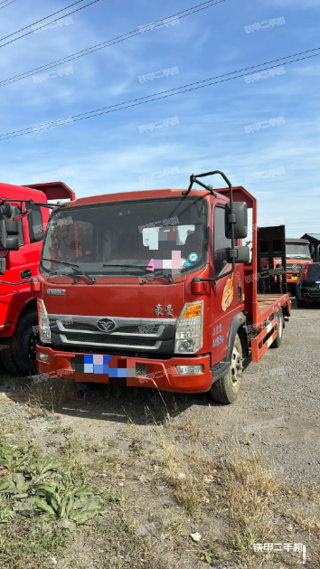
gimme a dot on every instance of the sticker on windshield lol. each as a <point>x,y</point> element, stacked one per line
<point>187,264</point>
<point>193,257</point>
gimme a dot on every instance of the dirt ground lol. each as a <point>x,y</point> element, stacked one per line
<point>189,483</point>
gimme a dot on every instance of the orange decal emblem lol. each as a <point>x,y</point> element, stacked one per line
<point>227,295</point>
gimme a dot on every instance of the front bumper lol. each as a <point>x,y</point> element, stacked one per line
<point>154,373</point>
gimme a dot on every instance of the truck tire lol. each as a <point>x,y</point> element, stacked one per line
<point>19,358</point>
<point>226,389</point>
<point>278,339</point>
<point>300,303</point>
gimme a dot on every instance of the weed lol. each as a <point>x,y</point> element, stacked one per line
<point>50,395</point>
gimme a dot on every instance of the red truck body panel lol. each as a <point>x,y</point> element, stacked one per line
<point>13,299</point>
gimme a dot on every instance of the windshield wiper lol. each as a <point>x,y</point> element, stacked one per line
<point>152,273</point>
<point>126,266</point>
<point>74,266</point>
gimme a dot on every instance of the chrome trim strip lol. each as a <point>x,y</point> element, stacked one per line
<point>106,345</point>
<point>120,323</point>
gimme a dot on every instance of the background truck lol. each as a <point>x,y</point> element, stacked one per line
<point>298,252</point>
<point>21,238</point>
<point>154,289</point>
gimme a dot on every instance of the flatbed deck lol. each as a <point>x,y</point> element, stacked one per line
<point>267,305</point>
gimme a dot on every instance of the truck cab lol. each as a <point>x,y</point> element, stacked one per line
<point>25,231</point>
<point>155,289</point>
<point>298,252</point>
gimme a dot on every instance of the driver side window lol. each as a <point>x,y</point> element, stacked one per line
<point>221,243</point>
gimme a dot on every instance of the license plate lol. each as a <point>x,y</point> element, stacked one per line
<point>119,371</point>
<point>294,278</point>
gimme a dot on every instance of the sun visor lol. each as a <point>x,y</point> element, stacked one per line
<point>54,190</point>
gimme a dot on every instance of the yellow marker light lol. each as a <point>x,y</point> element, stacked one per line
<point>192,311</point>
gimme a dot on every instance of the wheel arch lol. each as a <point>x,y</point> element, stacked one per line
<point>25,307</point>
<point>237,326</point>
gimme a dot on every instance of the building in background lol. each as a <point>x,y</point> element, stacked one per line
<point>314,238</point>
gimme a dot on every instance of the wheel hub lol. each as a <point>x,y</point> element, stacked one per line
<point>33,340</point>
<point>236,366</point>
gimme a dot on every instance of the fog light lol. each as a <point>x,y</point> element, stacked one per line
<point>189,370</point>
<point>43,357</point>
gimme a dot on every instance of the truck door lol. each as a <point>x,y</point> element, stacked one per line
<point>227,296</point>
<point>271,255</point>
<point>23,264</point>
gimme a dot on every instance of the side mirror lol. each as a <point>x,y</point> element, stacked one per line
<point>239,220</point>
<point>239,254</point>
<point>3,266</point>
<point>313,249</point>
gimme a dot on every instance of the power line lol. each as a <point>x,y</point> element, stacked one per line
<point>108,43</point>
<point>39,21</point>
<point>12,1</point>
<point>48,23</point>
<point>155,96</point>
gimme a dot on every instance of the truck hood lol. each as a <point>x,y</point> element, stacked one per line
<point>159,300</point>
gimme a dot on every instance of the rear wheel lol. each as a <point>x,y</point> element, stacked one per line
<point>19,358</point>
<point>226,389</point>
<point>278,339</point>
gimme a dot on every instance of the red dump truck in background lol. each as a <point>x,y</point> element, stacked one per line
<point>154,289</point>
<point>298,253</point>
<point>24,216</point>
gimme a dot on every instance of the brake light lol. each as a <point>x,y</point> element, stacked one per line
<point>304,274</point>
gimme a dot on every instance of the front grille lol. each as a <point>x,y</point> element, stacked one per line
<point>145,336</point>
<point>110,340</point>
<point>147,329</point>
<point>143,329</point>
<point>79,326</point>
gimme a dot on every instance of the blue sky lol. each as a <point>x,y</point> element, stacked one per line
<point>108,153</point>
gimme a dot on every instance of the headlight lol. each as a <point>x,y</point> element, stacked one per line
<point>189,329</point>
<point>44,323</point>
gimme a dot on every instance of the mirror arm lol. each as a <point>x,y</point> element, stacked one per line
<point>197,279</point>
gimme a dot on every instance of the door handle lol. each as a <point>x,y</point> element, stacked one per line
<point>26,274</point>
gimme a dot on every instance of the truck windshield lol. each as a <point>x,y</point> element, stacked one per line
<point>138,238</point>
<point>297,251</point>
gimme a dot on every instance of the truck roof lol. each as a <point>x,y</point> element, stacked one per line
<point>148,194</point>
<point>20,193</point>
<point>297,241</point>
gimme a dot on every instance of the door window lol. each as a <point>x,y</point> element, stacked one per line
<point>221,243</point>
<point>35,223</point>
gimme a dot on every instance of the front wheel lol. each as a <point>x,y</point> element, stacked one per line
<point>226,389</point>
<point>19,358</point>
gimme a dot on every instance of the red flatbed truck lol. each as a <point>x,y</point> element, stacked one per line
<point>148,289</point>
<point>21,239</point>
